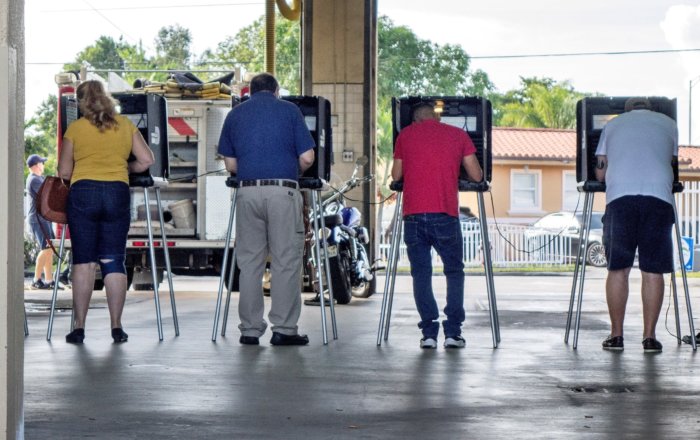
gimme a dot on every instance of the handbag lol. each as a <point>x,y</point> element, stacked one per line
<point>52,199</point>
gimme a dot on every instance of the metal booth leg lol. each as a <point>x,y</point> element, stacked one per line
<point>685,280</point>
<point>229,287</point>
<point>168,268</point>
<point>586,229</point>
<point>152,252</point>
<point>316,211</point>
<point>579,255</point>
<point>325,263</point>
<point>387,300</point>
<point>54,294</point>
<point>674,291</point>
<point>224,263</point>
<point>26,325</point>
<point>488,271</point>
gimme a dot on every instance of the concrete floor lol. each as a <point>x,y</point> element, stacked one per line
<point>532,386</point>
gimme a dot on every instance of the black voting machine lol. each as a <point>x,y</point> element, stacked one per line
<point>317,116</point>
<point>149,115</point>
<point>591,116</point>
<point>474,116</point>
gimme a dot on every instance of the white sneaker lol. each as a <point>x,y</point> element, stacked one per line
<point>455,342</point>
<point>428,343</point>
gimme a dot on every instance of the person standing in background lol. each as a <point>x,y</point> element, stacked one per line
<point>40,227</point>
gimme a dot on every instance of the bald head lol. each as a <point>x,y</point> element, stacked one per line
<point>423,111</point>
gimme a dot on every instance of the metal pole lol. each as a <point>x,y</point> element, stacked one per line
<point>674,290</point>
<point>224,262</point>
<point>390,268</point>
<point>168,268</point>
<point>685,279</point>
<point>327,266</point>
<point>579,255</point>
<point>690,112</point>
<point>154,267</point>
<point>229,287</point>
<point>397,248</point>
<point>55,289</point>
<point>586,227</point>
<point>316,212</point>
<point>488,272</point>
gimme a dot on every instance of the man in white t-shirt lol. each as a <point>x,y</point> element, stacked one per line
<point>636,156</point>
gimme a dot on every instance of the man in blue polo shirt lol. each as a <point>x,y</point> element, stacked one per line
<point>266,143</point>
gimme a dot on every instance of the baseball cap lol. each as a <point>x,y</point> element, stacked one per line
<point>35,159</point>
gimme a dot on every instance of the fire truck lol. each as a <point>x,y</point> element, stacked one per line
<point>190,174</point>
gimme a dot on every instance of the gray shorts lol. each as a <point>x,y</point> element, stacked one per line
<point>39,234</point>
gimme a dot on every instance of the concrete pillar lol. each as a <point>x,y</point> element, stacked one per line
<point>11,236</point>
<point>340,63</point>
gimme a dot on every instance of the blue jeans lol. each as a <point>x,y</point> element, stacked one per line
<point>442,232</point>
<point>99,217</point>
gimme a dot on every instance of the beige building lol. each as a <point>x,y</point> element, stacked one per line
<point>534,173</point>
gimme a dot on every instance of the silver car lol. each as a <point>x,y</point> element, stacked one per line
<point>566,224</point>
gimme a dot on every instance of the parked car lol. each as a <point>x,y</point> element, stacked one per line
<point>542,236</point>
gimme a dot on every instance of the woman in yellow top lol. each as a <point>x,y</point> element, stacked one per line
<point>95,157</point>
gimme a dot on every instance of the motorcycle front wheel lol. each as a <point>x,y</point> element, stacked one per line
<point>340,278</point>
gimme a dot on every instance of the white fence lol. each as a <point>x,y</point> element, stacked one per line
<point>513,246</point>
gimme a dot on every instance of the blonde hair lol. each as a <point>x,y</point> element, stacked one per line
<point>96,105</point>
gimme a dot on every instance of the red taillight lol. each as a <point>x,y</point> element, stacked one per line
<point>156,243</point>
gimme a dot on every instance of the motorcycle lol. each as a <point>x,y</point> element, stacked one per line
<point>350,271</point>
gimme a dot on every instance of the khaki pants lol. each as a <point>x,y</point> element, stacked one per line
<point>269,221</point>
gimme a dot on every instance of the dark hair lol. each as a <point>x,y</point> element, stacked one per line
<point>263,82</point>
<point>422,107</point>
<point>96,105</point>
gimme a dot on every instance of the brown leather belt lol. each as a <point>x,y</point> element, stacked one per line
<point>270,182</point>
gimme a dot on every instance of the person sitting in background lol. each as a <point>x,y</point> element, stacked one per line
<point>40,227</point>
<point>95,157</point>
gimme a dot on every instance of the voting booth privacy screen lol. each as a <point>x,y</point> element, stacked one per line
<point>317,116</point>
<point>591,116</point>
<point>471,114</point>
<point>148,113</point>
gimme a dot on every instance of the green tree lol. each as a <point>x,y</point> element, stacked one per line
<point>247,48</point>
<point>409,65</point>
<point>173,48</point>
<point>538,103</point>
<point>40,134</point>
<point>108,53</point>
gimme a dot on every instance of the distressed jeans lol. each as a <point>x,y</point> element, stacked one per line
<point>443,233</point>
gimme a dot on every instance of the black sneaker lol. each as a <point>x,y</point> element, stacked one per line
<point>651,345</point>
<point>40,285</point>
<point>614,343</point>
<point>52,283</point>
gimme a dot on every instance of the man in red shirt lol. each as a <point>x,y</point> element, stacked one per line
<point>428,156</point>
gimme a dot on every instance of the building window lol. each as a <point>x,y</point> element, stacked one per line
<point>570,195</point>
<point>525,190</point>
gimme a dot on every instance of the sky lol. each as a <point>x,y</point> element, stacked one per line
<point>485,29</point>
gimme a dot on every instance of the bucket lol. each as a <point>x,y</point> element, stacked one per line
<point>141,213</point>
<point>183,214</point>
